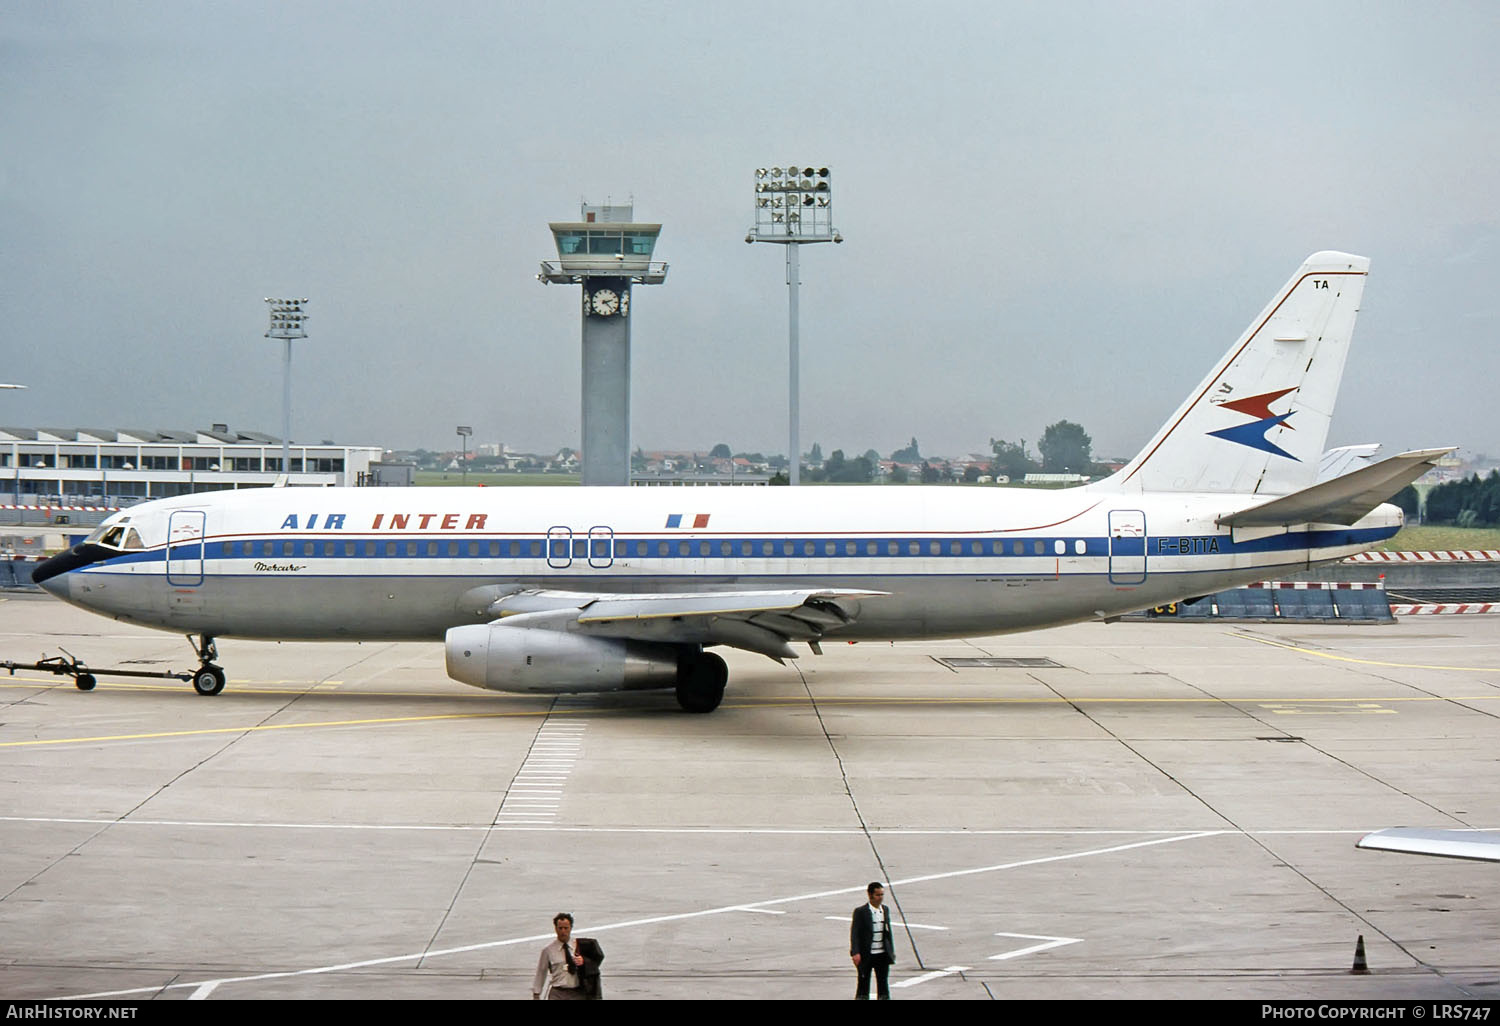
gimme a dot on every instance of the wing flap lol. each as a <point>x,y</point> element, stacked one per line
<point>757,621</point>
<point>1343,500</point>
<point>731,603</point>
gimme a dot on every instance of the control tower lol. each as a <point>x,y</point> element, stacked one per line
<point>606,251</point>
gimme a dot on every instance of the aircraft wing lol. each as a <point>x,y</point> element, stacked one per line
<point>1343,500</point>
<point>1480,845</point>
<point>758,621</point>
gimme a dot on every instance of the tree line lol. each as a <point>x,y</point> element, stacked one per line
<point>1469,502</point>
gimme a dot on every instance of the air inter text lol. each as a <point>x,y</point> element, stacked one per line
<point>387,522</point>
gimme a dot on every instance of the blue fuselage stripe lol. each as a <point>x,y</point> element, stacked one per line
<point>554,551</point>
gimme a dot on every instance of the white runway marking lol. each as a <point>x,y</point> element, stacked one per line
<point>590,929</point>
<point>909,926</point>
<point>937,975</point>
<point>1051,942</point>
<point>742,831</point>
<point>536,791</point>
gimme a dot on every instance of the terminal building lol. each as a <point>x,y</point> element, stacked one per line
<point>92,467</point>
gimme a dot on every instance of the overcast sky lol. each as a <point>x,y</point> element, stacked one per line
<point>1052,210</point>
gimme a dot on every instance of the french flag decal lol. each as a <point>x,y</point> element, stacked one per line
<point>699,520</point>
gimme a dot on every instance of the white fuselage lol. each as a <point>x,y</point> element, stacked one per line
<point>375,563</point>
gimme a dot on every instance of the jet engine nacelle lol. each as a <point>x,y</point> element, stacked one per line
<point>534,659</point>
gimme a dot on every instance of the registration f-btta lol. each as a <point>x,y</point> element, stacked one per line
<point>604,589</point>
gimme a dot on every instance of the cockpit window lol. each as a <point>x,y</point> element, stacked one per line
<point>115,535</point>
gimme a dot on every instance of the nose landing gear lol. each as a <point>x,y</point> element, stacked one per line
<point>208,679</point>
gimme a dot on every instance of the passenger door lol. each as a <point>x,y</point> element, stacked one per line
<point>185,532</point>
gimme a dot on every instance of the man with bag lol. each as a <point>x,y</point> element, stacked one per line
<point>571,970</point>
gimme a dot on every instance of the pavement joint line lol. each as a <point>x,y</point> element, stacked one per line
<point>423,956</point>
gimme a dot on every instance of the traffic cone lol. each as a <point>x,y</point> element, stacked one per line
<point>1359,956</point>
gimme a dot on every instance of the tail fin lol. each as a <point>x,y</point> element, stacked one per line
<point>1258,422</point>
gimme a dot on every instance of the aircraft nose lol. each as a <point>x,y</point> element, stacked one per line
<point>58,586</point>
<point>52,574</point>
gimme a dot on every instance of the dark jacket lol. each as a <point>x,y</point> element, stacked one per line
<point>862,934</point>
<point>588,973</point>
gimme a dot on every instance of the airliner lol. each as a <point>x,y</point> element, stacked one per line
<point>552,590</point>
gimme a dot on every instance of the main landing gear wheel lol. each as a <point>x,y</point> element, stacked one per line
<point>209,680</point>
<point>700,685</point>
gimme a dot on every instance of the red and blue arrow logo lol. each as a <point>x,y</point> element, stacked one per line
<point>1254,433</point>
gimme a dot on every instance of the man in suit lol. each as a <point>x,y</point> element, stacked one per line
<point>872,944</point>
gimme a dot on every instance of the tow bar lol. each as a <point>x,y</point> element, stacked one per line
<point>84,676</point>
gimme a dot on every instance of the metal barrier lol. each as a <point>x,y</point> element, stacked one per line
<point>16,573</point>
<point>1290,602</point>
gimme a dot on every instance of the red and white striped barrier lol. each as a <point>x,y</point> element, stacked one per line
<point>1440,556</point>
<point>1317,585</point>
<point>65,509</point>
<point>17,557</point>
<point>1415,608</point>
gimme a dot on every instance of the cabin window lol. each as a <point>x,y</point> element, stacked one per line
<point>1039,547</point>
<point>1080,546</point>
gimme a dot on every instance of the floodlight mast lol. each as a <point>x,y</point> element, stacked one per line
<point>793,207</point>
<point>287,320</point>
<point>464,431</point>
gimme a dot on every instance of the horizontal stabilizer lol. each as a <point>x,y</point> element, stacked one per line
<point>1479,845</point>
<point>1344,500</point>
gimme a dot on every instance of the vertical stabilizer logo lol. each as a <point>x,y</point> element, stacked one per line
<point>1254,433</point>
